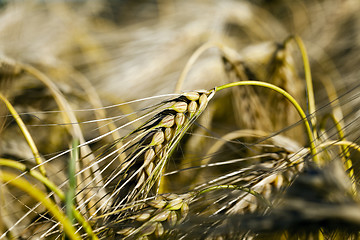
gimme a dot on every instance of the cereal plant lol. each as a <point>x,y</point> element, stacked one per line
<point>179,119</point>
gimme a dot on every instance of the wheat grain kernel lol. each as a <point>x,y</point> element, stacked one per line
<point>148,228</point>
<point>168,121</point>
<point>168,133</point>
<point>161,216</point>
<point>158,149</point>
<point>184,209</point>
<point>158,138</point>
<point>192,106</point>
<point>288,175</point>
<point>149,169</point>
<point>170,196</point>
<point>172,219</point>
<point>203,91</point>
<point>141,180</point>
<point>126,231</point>
<point>252,207</point>
<point>183,212</point>
<point>186,195</point>
<point>179,119</point>
<point>142,217</point>
<point>278,181</point>
<point>149,156</point>
<point>159,231</point>
<point>299,166</point>
<point>180,107</point>
<point>175,204</point>
<point>266,191</point>
<point>192,96</point>
<point>157,203</point>
<point>203,101</point>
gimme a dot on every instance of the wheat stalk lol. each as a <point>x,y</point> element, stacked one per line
<point>157,217</point>
<point>232,172</point>
<point>149,152</point>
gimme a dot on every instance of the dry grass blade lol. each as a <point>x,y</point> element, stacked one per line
<point>75,130</point>
<point>26,134</point>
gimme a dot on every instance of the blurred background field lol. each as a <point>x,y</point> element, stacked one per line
<point>76,70</point>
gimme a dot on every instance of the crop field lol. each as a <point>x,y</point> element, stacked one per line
<point>180,119</point>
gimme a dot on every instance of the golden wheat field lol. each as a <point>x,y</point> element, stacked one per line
<point>180,119</point>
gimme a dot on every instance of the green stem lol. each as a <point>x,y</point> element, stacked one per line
<point>70,195</point>
<point>308,79</point>
<point>287,96</point>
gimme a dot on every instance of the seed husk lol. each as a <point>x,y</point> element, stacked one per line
<point>252,207</point>
<point>168,133</point>
<point>183,212</point>
<point>158,149</point>
<point>175,204</point>
<point>278,181</point>
<point>172,219</point>
<point>192,107</point>
<point>159,231</point>
<point>179,119</point>
<point>157,203</point>
<point>203,101</point>
<point>192,96</point>
<point>149,169</point>
<point>187,196</point>
<point>149,156</point>
<point>288,175</point>
<point>148,228</point>
<point>158,138</point>
<point>170,196</point>
<point>168,121</point>
<point>161,216</point>
<point>180,107</point>
<point>141,179</point>
<point>184,209</point>
<point>126,231</point>
<point>142,217</point>
<point>266,192</point>
<point>203,91</point>
<point>299,166</point>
